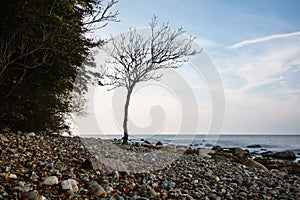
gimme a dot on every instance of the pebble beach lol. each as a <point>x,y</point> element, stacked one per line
<point>44,166</point>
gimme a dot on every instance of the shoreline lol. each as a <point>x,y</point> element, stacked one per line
<point>39,166</point>
<point>255,150</point>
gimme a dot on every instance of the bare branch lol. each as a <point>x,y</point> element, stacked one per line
<point>103,15</point>
<point>136,58</point>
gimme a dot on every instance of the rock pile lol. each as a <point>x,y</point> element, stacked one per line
<point>40,167</point>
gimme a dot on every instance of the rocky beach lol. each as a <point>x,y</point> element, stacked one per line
<point>44,166</point>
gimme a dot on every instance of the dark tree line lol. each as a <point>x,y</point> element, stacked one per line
<point>42,47</point>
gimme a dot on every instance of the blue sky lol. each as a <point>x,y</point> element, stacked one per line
<point>255,46</point>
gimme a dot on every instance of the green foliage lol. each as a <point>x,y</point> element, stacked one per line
<point>42,47</point>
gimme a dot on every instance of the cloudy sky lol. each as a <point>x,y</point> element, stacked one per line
<point>255,47</point>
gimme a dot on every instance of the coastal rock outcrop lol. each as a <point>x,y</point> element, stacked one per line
<point>288,155</point>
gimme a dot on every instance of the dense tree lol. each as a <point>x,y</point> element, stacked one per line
<point>137,58</point>
<point>42,47</point>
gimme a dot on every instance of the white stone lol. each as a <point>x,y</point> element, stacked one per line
<point>70,184</point>
<point>50,180</point>
<point>3,138</point>
<point>31,134</point>
<point>13,176</point>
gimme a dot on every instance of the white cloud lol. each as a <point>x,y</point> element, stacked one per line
<point>206,43</point>
<point>264,63</point>
<point>262,39</point>
<point>262,91</point>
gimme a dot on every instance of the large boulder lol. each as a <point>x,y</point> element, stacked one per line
<point>287,155</point>
<point>254,164</point>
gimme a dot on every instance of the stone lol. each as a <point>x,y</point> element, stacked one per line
<point>70,184</point>
<point>288,155</point>
<point>180,148</point>
<point>159,143</point>
<point>267,154</point>
<point>217,148</point>
<point>254,164</point>
<point>31,195</point>
<point>170,148</point>
<point>164,195</point>
<point>206,153</point>
<point>137,144</point>
<point>243,194</point>
<point>3,138</point>
<point>147,144</point>
<point>254,146</point>
<point>217,179</point>
<point>13,176</point>
<point>208,145</point>
<point>96,189</point>
<point>87,164</point>
<point>240,152</point>
<point>31,134</point>
<point>50,180</point>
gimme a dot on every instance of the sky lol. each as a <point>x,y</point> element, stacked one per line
<point>253,45</point>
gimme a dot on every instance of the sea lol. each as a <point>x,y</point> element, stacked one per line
<point>266,142</point>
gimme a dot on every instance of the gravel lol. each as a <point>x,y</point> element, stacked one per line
<point>40,166</point>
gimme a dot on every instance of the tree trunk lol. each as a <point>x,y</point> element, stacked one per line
<point>125,137</point>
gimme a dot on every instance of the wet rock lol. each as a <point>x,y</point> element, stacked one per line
<point>239,152</point>
<point>254,146</point>
<point>137,144</point>
<point>147,144</point>
<point>208,145</point>
<point>288,155</point>
<point>267,154</point>
<point>159,143</point>
<point>217,148</point>
<point>190,151</point>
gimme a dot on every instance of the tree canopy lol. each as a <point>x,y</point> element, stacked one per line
<point>42,47</point>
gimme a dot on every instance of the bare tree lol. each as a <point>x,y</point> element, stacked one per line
<point>136,58</point>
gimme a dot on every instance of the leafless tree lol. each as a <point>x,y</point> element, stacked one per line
<point>136,58</point>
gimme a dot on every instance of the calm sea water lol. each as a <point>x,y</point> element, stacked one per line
<point>267,142</point>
